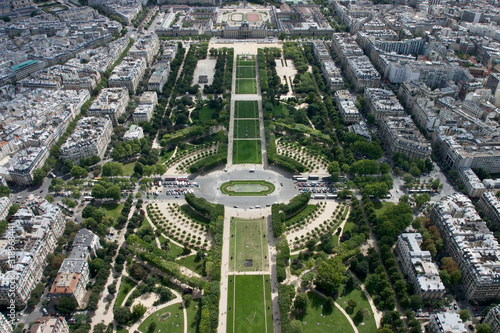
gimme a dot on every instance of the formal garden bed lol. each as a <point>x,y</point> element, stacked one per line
<point>247,188</point>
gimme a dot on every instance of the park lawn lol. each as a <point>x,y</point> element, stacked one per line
<point>248,242</point>
<point>192,311</point>
<point>304,213</point>
<point>125,287</point>
<point>128,169</point>
<point>246,129</point>
<point>348,226</point>
<point>249,60</point>
<point>334,322</point>
<point>176,250</point>
<point>245,187</point>
<point>246,86</point>
<point>120,329</point>
<point>357,295</point>
<point>246,109</point>
<point>174,323</point>
<point>187,210</point>
<point>249,304</point>
<point>381,207</point>
<point>247,151</point>
<point>245,72</point>
<point>193,264</point>
<point>112,209</point>
<point>206,113</point>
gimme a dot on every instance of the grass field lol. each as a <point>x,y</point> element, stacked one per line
<point>332,322</point>
<point>128,169</point>
<point>112,209</point>
<point>247,151</point>
<point>247,72</point>
<point>357,295</point>
<point>192,312</point>
<point>381,207</point>
<point>248,242</point>
<point>305,212</point>
<point>249,304</point>
<point>246,129</point>
<point>246,109</point>
<point>246,86</point>
<point>125,287</point>
<point>247,188</point>
<point>205,113</point>
<point>193,264</point>
<point>248,61</point>
<point>169,319</point>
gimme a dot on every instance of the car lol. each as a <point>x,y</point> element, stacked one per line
<point>235,206</point>
<point>475,309</point>
<point>53,314</point>
<point>251,207</point>
<point>451,307</point>
<point>177,196</point>
<point>41,191</point>
<point>455,306</point>
<point>257,206</point>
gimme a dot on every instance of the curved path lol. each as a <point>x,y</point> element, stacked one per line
<point>377,315</point>
<point>341,309</point>
<point>177,299</point>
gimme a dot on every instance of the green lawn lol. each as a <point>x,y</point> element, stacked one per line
<point>125,287</point>
<point>192,312</point>
<point>348,226</point>
<point>249,304</point>
<point>245,72</point>
<point>334,322</point>
<point>357,295</point>
<point>120,329</point>
<point>193,264</point>
<point>248,242</point>
<point>128,169</point>
<point>304,213</point>
<point>247,188</point>
<point>206,113</point>
<point>248,61</point>
<point>112,209</point>
<point>165,157</point>
<point>247,151</point>
<point>246,109</point>
<point>173,248</point>
<point>381,207</point>
<point>246,129</point>
<point>246,86</point>
<point>169,319</point>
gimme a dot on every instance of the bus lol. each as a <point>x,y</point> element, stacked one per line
<point>313,177</point>
<point>319,196</point>
<point>294,177</point>
<point>88,198</point>
<point>170,179</point>
<point>301,179</point>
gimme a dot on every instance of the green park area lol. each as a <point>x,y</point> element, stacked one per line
<point>246,86</point>
<point>247,188</point>
<point>246,129</point>
<point>246,109</point>
<point>247,151</point>
<point>249,304</point>
<point>169,319</point>
<point>248,249</point>
<point>247,72</point>
<point>318,320</point>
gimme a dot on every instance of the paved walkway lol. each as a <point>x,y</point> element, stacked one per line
<point>376,313</point>
<point>226,235</point>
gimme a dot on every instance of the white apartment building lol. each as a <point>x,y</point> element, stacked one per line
<point>34,230</point>
<point>382,103</point>
<point>399,134</point>
<point>143,112</point>
<point>418,265</point>
<point>362,73</point>
<point>4,207</point>
<point>475,188</point>
<point>149,97</point>
<point>128,74</point>
<point>425,117</point>
<point>492,185</point>
<point>20,168</point>
<point>332,74</point>
<point>159,77</point>
<point>346,106</point>
<point>134,132</point>
<point>146,47</point>
<point>471,244</point>
<point>493,319</point>
<point>90,137</point>
<point>111,102</point>
<point>5,325</point>
<point>73,276</point>
<point>446,322</point>
<point>490,205</point>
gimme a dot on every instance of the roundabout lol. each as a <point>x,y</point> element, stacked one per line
<point>247,188</point>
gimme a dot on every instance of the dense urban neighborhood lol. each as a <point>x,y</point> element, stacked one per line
<point>249,166</point>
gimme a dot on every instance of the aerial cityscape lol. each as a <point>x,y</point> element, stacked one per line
<point>249,166</point>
